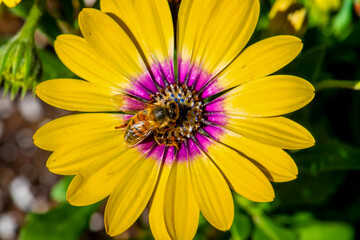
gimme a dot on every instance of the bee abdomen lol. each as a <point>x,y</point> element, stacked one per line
<point>138,129</point>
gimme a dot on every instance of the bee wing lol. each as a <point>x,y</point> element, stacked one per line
<point>129,104</point>
<point>138,129</point>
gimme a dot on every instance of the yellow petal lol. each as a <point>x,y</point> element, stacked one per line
<point>269,96</point>
<point>66,129</point>
<point>76,95</point>
<point>131,196</point>
<point>129,104</point>
<point>98,180</point>
<point>212,192</point>
<point>151,24</point>
<point>244,177</point>
<point>276,131</point>
<point>156,209</point>
<point>111,42</point>
<point>275,163</point>
<point>74,156</point>
<point>11,3</point>
<point>212,33</point>
<point>261,59</point>
<point>181,210</point>
<point>76,53</point>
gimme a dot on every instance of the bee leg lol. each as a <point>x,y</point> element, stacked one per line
<point>161,128</point>
<point>121,126</point>
<point>161,131</point>
<point>159,140</point>
<point>176,144</point>
<point>124,125</point>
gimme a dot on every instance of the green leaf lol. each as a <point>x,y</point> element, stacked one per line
<point>327,231</point>
<point>53,67</point>
<point>301,219</point>
<point>268,229</point>
<point>259,235</point>
<point>308,189</point>
<point>241,227</point>
<point>203,229</point>
<point>304,226</point>
<point>68,11</point>
<point>309,64</point>
<point>342,24</point>
<point>329,156</point>
<point>63,222</point>
<point>58,192</point>
<point>49,26</point>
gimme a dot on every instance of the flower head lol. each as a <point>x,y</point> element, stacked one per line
<point>176,132</point>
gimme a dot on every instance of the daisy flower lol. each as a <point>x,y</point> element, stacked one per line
<point>10,3</point>
<point>173,130</point>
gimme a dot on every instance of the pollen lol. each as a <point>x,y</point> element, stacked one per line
<point>190,117</point>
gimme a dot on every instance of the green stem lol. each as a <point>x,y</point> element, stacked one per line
<point>31,23</point>
<point>251,208</point>
<point>326,84</point>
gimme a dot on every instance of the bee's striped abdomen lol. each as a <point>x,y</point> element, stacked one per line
<point>138,129</point>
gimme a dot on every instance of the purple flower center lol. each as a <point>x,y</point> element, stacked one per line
<point>197,113</point>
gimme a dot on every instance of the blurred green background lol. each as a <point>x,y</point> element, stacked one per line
<point>322,203</point>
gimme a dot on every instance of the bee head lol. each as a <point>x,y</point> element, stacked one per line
<point>167,112</point>
<point>159,114</point>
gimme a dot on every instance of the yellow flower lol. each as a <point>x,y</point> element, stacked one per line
<point>328,5</point>
<point>10,3</point>
<point>188,162</point>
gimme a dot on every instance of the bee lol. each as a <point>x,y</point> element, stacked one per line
<point>156,117</point>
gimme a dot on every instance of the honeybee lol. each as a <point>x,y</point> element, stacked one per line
<point>156,117</point>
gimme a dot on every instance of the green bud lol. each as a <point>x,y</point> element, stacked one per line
<point>20,65</point>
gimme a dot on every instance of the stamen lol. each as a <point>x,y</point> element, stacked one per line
<point>190,114</point>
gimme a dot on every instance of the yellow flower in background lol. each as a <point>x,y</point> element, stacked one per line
<point>153,132</point>
<point>10,3</point>
<point>282,6</point>
<point>288,17</point>
<point>328,5</point>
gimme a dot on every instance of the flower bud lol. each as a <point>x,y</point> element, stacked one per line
<point>20,66</point>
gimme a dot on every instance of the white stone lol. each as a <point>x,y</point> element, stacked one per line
<point>20,193</point>
<point>96,222</point>
<point>30,108</point>
<point>6,107</point>
<point>8,226</point>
